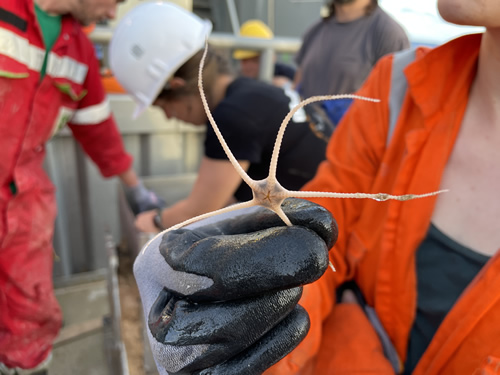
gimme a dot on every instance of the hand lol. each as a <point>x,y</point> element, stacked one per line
<point>141,199</point>
<point>221,297</point>
<point>144,222</point>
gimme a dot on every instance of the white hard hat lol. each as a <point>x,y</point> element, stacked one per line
<point>150,43</point>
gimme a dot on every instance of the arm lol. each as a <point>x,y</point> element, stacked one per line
<point>129,178</point>
<point>214,188</point>
<point>94,127</point>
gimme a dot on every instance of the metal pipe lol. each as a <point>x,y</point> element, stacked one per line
<point>233,16</point>
<point>223,40</point>
<point>278,44</point>
<point>271,15</point>
<point>267,47</point>
<point>266,71</point>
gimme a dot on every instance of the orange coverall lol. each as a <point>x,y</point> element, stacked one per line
<point>377,240</point>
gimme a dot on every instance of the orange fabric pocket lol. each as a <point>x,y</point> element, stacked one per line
<point>350,345</point>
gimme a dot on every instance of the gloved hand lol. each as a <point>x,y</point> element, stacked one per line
<point>220,297</point>
<point>141,199</point>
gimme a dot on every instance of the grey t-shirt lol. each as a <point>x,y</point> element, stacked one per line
<point>336,58</point>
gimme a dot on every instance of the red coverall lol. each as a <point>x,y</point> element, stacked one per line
<point>31,111</point>
<point>377,240</point>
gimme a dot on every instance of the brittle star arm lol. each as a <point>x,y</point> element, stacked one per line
<point>268,192</point>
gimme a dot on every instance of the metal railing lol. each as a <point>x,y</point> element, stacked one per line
<point>268,47</point>
<point>88,203</point>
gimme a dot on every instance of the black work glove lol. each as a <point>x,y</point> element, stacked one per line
<point>221,298</point>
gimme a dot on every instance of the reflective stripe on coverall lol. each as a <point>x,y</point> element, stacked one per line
<point>377,240</point>
<point>31,111</point>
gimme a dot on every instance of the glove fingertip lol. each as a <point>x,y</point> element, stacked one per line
<point>313,216</point>
<point>273,347</point>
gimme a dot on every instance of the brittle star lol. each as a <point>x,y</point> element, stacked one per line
<point>268,192</point>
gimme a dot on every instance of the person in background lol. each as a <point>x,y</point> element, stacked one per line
<point>427,271</point>
<point>339,50</point>
<point>247,111</point>
<point>49,77</point>
<point>250,60</point>
<point>283,77</point>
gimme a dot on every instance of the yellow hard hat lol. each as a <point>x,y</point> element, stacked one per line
<point>252,29</point>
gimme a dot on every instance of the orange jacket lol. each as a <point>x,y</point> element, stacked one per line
<point>377,240</point>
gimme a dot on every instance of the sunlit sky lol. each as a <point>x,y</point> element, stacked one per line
<point>422,21</point>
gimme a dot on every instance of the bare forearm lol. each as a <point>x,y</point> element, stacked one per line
<point>129,178</point>
<point>217,181</point>
<point>181,211</point>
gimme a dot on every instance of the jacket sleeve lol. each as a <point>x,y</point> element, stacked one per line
<point>94,126</point>
<point>353,158</point>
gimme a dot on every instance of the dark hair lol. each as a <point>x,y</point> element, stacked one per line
<point>215,64</point>
<point>369,9</point>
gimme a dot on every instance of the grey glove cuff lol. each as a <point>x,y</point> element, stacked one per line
<point>152,273</point>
